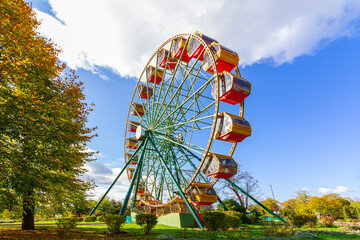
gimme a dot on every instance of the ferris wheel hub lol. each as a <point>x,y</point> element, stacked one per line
<point>140,133</point>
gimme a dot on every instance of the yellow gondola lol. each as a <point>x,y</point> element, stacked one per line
<point>132,125</point>
<point>201,194</point>
<point>177,47</point>
<point>130,172</point>
<point>141,189</point>
<point>195,48</point>
<point>219,166</point>
<point>233,89</point>
<point>131,143</point>
<point>179,206</point>
<point>162,59</point>
<point>150,74</point>
<point>134,160</point>
<point>225,59</point>
<point>137,109</point>
<point>231,128</point>
<point>144,92</point>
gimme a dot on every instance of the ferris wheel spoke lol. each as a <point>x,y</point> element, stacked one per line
<point>186,122</point>
<point>186,95</point>
<point>187,109</point>
<point>198,149</point>
<point>200,90</point>
<point>176,94</point>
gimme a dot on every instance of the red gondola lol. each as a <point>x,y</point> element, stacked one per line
<point>177,48</point>
<point>231,128</point>
<point>195,48</point>
<point>134,160</point>
<point>137,109</point>
<point>225,59</point>
<point>162,59</point>
<point>219,166</point>
<point>150,74</point>
<point>131,143</point>
<point>145,92</point>
<point>233,89</point>
<point>132,125</point>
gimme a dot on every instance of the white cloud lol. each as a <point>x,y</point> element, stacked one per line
<point>102,174</point>
<point>338,189</point>
<point>122,35</point>
<point>104,177</point>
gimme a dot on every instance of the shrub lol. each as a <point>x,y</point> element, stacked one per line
<point>312,220</point>
<point>146,221</point>
<point>232,220</point>
<point>90,219</point>
<point>215,220</point>
<point>328,221</point>
<point>64,225</point>
<point>300,219</point>
<point>114,222</point>
<point>256,217</point>
<point>78,219</point>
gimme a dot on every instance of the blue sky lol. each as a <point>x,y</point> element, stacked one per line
<point>303,60</point>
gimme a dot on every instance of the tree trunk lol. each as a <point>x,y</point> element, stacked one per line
<point>28,212</point>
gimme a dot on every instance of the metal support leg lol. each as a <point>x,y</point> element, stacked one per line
<point>122,170</point>
<point>248,195</point>
<point>201,176</point>
<point>126,201</point>
<point>136,187</point>
<point>177,185</point>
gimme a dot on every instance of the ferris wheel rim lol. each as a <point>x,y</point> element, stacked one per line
<point>216,100</point>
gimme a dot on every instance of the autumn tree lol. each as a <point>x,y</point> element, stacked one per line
<point>328,205</point>
<point>43,132</point>
<point>271,204</point>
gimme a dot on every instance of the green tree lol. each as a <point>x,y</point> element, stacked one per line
<point>232,205</point>
<point>43,118</point>
<point>110,207</point>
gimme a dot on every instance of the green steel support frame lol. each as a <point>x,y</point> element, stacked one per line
<point>122,170</point>
<point>126,201</point>
<point>177,185</point>
<point>256,201</point>
<point>136,187</point>
<point>237,187</point>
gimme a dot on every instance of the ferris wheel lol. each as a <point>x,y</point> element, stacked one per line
<point>185,118</point>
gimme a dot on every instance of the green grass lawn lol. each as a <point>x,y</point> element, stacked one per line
<point>92,230</point>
